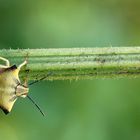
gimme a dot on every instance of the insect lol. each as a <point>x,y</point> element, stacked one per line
<point>10,86</point>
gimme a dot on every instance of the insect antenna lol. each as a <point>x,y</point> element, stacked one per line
<point>38,80</point>
<point>36,105</point>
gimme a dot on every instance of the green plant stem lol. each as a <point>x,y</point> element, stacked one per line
<point>77,63</point>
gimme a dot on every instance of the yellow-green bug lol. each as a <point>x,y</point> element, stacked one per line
<point>11,87</point>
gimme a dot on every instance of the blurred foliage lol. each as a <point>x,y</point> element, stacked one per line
<point>78,110</point>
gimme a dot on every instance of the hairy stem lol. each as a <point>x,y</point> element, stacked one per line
<point>77,63</point>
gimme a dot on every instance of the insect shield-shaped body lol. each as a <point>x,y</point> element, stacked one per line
<point>10,85</point>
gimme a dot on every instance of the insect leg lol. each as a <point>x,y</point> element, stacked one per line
<point>25,80</point>
<point>6,60</point>
<point>22,64</point>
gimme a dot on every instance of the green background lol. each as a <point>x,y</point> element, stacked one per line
<point>98,109</point>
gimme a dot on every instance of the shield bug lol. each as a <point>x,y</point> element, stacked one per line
<point>10,86</point>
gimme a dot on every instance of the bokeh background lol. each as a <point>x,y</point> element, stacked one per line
<point>98,109</point>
